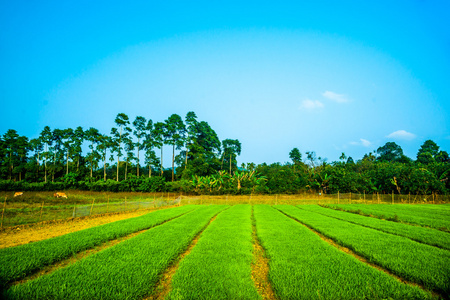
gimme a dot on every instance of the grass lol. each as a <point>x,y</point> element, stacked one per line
<point>25,259</point>
<point>420,234</point>
<point>397,213</point>
<point>416,262</point>
<point>219,266</point>
<point>302,266</point>
<point>128,270</point>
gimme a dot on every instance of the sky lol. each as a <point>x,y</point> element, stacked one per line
<point>323,76</point>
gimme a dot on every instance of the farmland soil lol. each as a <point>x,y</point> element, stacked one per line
<point>20,235</point>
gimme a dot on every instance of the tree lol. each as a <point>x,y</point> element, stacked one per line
<point>295,156</point>
<point>104,144</point>
<point>158,139</point>
<point>36,146</point>
<point>46,138</point>
<point>10,145</point>
<point>67,143</point>
<point>174,135</point>
<point>92,135</point>
<point>191,131</point>
<point>77,141</point>
<point>231,149</point>
<point>129,147</point>
<point>390,152</point>
<point>428,152</point>
<point>121,121</point>
<point>139,132</point>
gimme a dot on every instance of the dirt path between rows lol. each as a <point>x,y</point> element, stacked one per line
<point>20,235</point>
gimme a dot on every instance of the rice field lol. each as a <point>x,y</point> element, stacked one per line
<point>208,252</point>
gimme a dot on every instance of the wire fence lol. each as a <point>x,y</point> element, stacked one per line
<point>21,216</point>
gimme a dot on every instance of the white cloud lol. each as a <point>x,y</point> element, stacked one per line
<point>362,142</point>
<point>402,135</point>
<point>339,98</point>
<point>311,104</point>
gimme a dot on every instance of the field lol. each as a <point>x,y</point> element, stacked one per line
<point>245,251</point>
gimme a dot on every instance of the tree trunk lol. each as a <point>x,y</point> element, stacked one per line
<point>45,167</point>
<point>126,168</point>
<point>161,160</point>
<point>118,153</point>
<point>173,162</point>
<point>67,170</point>
<point>37,169</point>
<point>230,164</point>
<point>138,162</point>
<point>54,167</point>
<point>10,165</point>
<point>91,168</point>
<point>149,171</point>
<point>104,167</point>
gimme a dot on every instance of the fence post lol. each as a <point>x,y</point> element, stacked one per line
<point>125,203</point>
<point>226,201</point>
<point>378,198</point>
<point>392,196</point>
<point>74,214</point>
<point>338,197</point>
<point>40,215</point>
<point>276,199</point>
<point>409,198</point>
<point>350,197</point>
<point>92,206</point>
<point>364,197</point>
<point>3,211</point>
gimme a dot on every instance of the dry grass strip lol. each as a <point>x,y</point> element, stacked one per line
<point>260,267</point>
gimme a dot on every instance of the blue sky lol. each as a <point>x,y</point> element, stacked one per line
<point>323,76</point>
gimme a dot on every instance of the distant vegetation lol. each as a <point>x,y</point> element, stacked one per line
<point>204,165</point>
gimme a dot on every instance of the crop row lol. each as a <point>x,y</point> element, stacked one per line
<point>25,259</point>
<point>420,234</point>
<point>302,266</point>
<point>393,212</point>
<point>219,266</point>
<point>128,270</point>
<point>413,261</point>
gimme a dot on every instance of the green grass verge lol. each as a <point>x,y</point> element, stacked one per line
<point>128,270</point>
<point>303,266</point>
<point>17,262</point>
<point>424,235</point>
<point>420,263</point>
<point>391,212</point>
<point>219,266</point>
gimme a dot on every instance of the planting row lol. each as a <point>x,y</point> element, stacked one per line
<point>128,270</point>
<point>401,213</point>
<point>420,234</point>
<point>413,261</point>
<point>23,260</point>
<point>302,265</point>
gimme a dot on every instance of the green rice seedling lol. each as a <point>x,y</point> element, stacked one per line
<point>416,262</point>
<point>17,262</point>
<point>385,211</point>
<point>303,266</point>
<point>128,270</point>
<point>219,266</point>
<point>424,235</point>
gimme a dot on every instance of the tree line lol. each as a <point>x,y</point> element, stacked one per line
<point>90,160</point>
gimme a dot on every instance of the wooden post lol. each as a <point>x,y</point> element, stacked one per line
<point>226,201</point>
<point>392,196</point>
<point>350,197</point>
<point>92,206</point>
<point>74,214</point>
<point>107,205</point>
<point>338,197</point>
<point>409,198</point>
<point>364,197</point>
<point>378,198</point>
<point>3,211</point>
<point>276,199</point>
<point>125,203</point>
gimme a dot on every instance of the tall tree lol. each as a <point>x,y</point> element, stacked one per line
<point>77,142</point>
<point>92,135</point>
<point>129,147</point>
<point>231,149</point>
<point>122,121</point>
<point>174,135</point>
<point>46,138</point>
<point>390,152</point>
<point>104,145</point>
<point>67,143</point>
<point>149,143</point>
<point>191,132</point>
<point>37,146</point>
<point>158,137</point>
<point>57,137</point>
<point>10,139</point>
<point>139,132</point>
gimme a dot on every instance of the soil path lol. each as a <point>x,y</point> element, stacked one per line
<point>20,235</point>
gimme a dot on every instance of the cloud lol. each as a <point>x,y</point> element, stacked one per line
<point>402,135</point>
<point>362,142</point>
<point>339,98</point>
<point>311,104</point>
